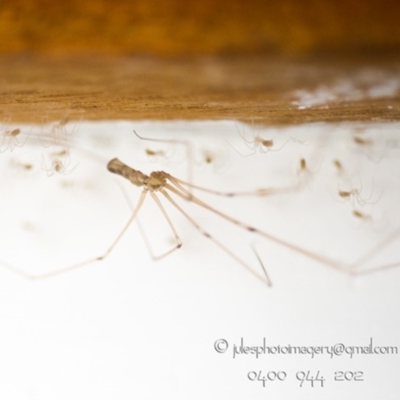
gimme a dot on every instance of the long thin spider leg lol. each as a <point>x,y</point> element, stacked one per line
<point>23,141</point>
<point>324,260</point>
<point>262,264</point>
<point>147,241</point>
<point>90,261</point>
<point>137,220</point>
<point>3,147</point>
<point>16,270</point>
<point>127,225</point>
<point>252,145</point>
<point>371,253</point>
<point>208,236</point>
<point>376,269</point>
<point>253,149</point>
<point>177,238</point>
<point>58,133</point>
<point>259,192</point>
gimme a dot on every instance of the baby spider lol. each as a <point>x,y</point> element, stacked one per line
<point>154,153</point>
<point>207,156</point>
<point>374,150</point>
<point>304,173</point>
<point>368,220</point>
<point>361,141</point>
<point>353,195</point>
<point>361,215</point>
<point>58,162</point>
<point>12,139</point>
<point>20,165</point>
<point>58,134</point>
<point>339,166</point>
<point>210,158</point>
<point>260,144</point>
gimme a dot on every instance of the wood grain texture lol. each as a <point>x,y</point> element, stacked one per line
<point>251,60</point>
<point>264,89</point>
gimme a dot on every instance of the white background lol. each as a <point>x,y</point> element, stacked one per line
<point>129,327</point>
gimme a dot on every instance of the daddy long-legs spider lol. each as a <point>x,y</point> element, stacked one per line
<point>283,229</point>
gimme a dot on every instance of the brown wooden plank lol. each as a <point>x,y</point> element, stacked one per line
<point>259,88</point>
